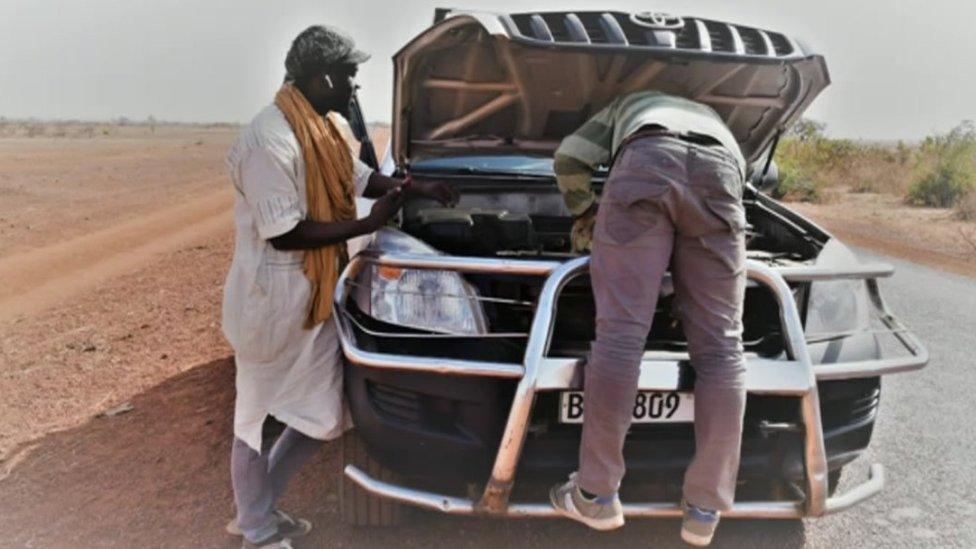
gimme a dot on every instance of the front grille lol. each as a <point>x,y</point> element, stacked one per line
<point>395,403</point>
<point>752,41</point>
<point>597,28</point>
<point>605,27</point>
<point>574,327</point>
<point>720,36</point>
<point>781,44</point>
<point>688,37</point>
<point>849,402</point>
<point>557,27</point>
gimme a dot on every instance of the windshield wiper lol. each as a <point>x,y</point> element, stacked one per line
<point>468,170</point>
<point>482,139</point>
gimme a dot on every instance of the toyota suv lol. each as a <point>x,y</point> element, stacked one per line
<point>465,329</point>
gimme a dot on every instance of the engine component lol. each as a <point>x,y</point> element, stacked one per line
<point>472,231</point>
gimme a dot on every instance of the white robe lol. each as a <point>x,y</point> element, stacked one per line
<point>283,370</point>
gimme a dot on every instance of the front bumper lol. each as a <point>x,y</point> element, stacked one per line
<point>794,377</point>
<point>754,510</point>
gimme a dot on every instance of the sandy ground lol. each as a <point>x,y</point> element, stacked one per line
<point>883,223</point>
<point>98,301</point>
<point>55,189</point>
<point>112,255</point>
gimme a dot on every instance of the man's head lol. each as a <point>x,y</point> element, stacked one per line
<point>322,62</point>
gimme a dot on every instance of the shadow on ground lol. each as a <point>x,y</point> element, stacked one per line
<point>158,477</point>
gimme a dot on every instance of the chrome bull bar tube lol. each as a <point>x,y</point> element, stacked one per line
<point>538,372</point>
<point>815,455</point>
<point>918,355</point>
<point>453,505</point>
<point>499,487</point>
<point>461,506</point>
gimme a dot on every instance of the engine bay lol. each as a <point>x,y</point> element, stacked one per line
<point>485,231</point>
<point>529,220</point>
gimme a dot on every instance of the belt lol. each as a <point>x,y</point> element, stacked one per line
<point>654,130</point>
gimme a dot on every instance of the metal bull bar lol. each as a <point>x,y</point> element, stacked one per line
<point>795,376</point>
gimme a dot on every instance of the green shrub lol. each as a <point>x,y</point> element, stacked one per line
<point>796,184</point>
<point>810,162</point>
<point>950,173</point>
<point>966,207</point>
<point>940,171</point>
<point>943,187</point>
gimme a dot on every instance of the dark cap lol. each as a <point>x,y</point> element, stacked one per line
<point>319,47</point>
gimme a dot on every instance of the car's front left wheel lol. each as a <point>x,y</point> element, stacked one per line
<point>358,506</point>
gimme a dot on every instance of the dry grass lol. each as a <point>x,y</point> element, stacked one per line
<point>940,171</point>
<point>74,129</point>
<point>966,208</point>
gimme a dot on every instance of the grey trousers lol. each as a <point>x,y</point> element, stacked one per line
<point>668,201</point>
<point>260,479</point>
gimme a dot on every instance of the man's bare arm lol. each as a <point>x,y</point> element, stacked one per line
<point>441,191</point>
<point>316,234</point>
<point>379,184</point>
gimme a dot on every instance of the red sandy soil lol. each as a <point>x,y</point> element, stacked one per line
<point>883,223</point>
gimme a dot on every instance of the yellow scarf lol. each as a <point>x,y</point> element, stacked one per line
<point>329,190</point>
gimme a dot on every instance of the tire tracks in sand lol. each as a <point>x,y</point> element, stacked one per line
<point>38,279</point>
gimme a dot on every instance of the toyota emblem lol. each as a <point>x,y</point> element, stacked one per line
<point>657,21</point>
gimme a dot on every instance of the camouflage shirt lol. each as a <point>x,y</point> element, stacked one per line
<point>596,142</point>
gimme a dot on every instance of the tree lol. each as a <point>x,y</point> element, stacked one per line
<point>806,129</point>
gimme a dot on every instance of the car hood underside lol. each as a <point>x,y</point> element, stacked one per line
<point>472,85</point>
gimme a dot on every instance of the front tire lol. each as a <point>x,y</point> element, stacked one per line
<point>359,507</point>
<point>833,480</point>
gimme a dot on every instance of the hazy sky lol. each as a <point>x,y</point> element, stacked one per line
<point>900,68</point>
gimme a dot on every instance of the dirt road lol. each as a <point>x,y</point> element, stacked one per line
<point>112,254</point>
<point>884,223</point>
<point>39,278</point>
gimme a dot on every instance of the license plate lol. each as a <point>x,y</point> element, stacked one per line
<point>649,407</point>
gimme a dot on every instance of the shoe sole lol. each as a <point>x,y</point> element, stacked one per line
<point>695,539</point>
<point>234,530</point>
<point>602,525</point>
<point>306,527</point>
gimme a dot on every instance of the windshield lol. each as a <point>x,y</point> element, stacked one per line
<point>522,165</point>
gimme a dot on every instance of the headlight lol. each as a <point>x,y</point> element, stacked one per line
<point>837,307</point>
<point>440,301</point>
<point>434,300</point>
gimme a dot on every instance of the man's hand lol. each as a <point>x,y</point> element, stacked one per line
<point>386,207</point>
<point>582,234</point>
<point>441,191</point>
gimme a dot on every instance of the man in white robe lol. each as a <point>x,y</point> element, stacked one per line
<point>283,369</point>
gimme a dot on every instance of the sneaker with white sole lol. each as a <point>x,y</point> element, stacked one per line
<point>698,525</point>
<point>276,541</point>
<point>570,502</point>
<point>288,525</point>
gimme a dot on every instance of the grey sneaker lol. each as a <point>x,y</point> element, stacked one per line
<point>277,541</point>
<point>288,525</point>
<point>570,503</point>
<point>698,525</point>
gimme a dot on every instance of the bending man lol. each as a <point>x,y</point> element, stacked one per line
<point>673,197</point>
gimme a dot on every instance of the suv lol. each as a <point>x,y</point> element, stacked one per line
<point>465,329</point>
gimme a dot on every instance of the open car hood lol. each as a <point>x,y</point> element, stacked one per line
<point>486,83</point>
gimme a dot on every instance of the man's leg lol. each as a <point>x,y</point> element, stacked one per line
<point>626,283</point>
<point>631,250</point>
<point>289,453</point>
<point>253,492</point>
<point>709,277</point>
